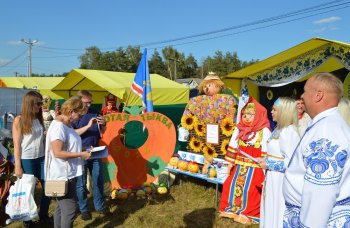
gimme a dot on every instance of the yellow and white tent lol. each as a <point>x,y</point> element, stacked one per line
<point>100,83</point>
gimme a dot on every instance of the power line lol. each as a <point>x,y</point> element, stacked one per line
<point>15,58</point>
<point>287,15</point>
<point>312,9</point>
<point>248,30</point>
<point>215,34</point>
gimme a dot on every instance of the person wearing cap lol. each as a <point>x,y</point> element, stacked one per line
<point>211,85</point>
<point>110,107</point>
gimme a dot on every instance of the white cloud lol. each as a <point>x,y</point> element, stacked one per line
<point>19,42</point>
<point>3,61</point>
<point>327,20</point>
<point>325,29</point>
<point>14,42</point>
<point>320,30</point>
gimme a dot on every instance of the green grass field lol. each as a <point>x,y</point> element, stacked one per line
<point>190,204</point>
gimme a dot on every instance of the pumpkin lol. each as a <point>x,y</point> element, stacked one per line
<point>147,188</point>
<point>173,162</point>
<point>182,165</point>
<point>122,194</point>
<point>140,193</point>
<point>193,167</point>
<point>114,193</point>
<point>133,166</point>
<point>162,189</point>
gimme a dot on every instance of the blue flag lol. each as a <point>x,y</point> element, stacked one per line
<point>142,83</point>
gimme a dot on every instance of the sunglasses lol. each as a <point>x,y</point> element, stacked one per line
<point>39,103</point>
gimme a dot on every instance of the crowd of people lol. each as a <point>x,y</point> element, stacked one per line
<point>297,175</point>
<point>56,148</point>
<point>292,176</point>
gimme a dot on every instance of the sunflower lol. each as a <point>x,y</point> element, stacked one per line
<point>188,121</point>
<point>209,151</point>
<point>199,128</point>
<point>224,146</point>
<point>227,126</point>
<point>196,144</point>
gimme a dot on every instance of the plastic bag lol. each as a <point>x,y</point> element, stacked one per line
<point>21,204</point>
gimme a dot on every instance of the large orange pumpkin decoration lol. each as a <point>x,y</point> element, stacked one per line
<point>143,164</point>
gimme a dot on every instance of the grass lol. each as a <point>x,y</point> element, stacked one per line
<point>190,204</point>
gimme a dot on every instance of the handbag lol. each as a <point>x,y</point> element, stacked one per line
<point>55,188</point>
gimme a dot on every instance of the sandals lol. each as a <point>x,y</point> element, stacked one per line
<point>224,214</point>
<point>237,218</point>
<point>243,219</point>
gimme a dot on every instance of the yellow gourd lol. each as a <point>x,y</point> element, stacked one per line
<point>193,167</point>
<point>182,165</point>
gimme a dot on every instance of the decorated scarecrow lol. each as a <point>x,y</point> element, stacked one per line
<point>241,191</point>
<point>210,108</point>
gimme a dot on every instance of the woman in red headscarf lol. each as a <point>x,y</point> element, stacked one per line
<point>241,192</point>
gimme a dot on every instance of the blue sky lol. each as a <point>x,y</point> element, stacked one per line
<point>65,28</point>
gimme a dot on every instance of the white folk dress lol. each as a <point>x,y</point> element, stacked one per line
<point>280,148</point>
<point>316,186</point>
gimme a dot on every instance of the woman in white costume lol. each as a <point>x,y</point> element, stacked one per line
<point>344,109</point>
<point>280,147</point>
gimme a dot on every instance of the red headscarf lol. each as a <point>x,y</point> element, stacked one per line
<point>260,121</point>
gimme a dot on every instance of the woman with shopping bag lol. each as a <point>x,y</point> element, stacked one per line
<point>28,140</point>
<point>63,161</point>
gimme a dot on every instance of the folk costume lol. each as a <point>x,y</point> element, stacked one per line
<point>316,183</point>
<point>280,147</point>
<point>242,189</point>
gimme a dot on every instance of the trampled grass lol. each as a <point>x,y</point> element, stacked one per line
<point>190,204</point>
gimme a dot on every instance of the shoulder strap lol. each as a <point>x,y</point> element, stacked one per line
<point>48,161</point>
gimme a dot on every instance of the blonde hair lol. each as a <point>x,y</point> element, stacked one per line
<point>73,104</point>
<point>287,112</point>
<point>344,109</point>
<point>330,83</point>
<point>28,113</point>
<point>84,93</point>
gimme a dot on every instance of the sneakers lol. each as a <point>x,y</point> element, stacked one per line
<point>86,216</point>
<point>28,224</point>
<point>46,219</point>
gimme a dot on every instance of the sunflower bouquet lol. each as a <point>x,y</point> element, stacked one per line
<point>188,121</point>
<point>227,126</point>
<point>209,150</point>
<point>196,144</point>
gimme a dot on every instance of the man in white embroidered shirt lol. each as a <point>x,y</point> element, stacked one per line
<point>316,185</point>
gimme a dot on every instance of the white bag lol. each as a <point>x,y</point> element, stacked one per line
<point>21,204</point>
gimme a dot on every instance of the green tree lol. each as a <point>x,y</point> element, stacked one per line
<point>156,64</point>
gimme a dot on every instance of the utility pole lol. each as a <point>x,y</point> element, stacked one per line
<point>30,45</point>
<point>175,60</point>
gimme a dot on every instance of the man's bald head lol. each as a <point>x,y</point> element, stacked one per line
<point>321,92</point>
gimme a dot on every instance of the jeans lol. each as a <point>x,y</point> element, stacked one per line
<point>36,167</point>
<point>95,167</point>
